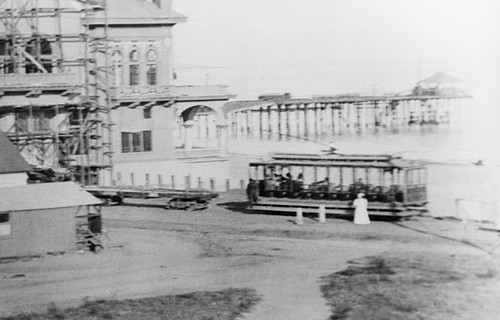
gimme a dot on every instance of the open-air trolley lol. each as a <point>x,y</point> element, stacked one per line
<point>393,186</point>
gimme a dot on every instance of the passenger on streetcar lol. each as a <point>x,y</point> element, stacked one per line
<point>300,182</point>
<point>284,182</point>
<point>358,186</point>
<point>252,191</point>
<point>297,184</point>
<point>268,183</point>
<point>321,186</point>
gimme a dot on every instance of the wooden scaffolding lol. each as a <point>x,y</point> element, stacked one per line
<point>54,95</point>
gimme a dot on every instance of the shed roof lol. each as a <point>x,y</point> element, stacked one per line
<point>45,196</point>
<point>10,159</point>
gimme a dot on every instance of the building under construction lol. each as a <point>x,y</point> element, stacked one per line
<point>86,86</point>
<point>55,97</point>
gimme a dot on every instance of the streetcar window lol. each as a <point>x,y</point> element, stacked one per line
<point>414,177</point>
<point>400,177</point>
<point>348,176</point>
<point>308,175</point>
<point>418,179</point>
<point>321,174</point>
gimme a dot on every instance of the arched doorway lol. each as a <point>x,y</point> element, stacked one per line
<point>202,121</point>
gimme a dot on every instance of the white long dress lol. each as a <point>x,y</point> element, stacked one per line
<point>361,211</point>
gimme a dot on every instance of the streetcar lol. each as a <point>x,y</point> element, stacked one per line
<point>392,185</point>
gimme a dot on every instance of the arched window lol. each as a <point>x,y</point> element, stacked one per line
<point>117,68</point>
<point>152,67</point>
<point>39,50</point>
<point>134,68</point>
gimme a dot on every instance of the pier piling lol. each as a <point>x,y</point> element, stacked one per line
<point>319,116</point>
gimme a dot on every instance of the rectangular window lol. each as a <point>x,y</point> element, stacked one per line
<point>42,120</point>
<point>126,142</point>
<point>47,119</point>
<point>74,118</point>
<point>134,75</point>
<point>22,121</point>
<point>5,228</point>
<point>137,141</point>
<point>147,113</point>
<point>47,65</point>
<point>151,75</point>
<point>6,67</point>
<point>31,68</point>
<point>82,147</point>
<point>147,141</point>
<point>37,118</point>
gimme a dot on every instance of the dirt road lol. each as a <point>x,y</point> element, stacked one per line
<point>151,251</point>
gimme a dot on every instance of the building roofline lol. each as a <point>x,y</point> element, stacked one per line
<point>170,21</point>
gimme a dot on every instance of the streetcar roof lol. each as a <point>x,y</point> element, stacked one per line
<point>339,160</point>
<point>333,156</point>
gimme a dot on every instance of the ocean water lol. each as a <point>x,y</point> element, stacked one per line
<point>438,144</point>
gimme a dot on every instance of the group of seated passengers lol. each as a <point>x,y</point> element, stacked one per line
<point>282,183</point>
<point>286,182</point>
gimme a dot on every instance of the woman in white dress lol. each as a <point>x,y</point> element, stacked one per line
<point>361,210</point>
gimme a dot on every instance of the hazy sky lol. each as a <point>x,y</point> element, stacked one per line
<point>336,46</point>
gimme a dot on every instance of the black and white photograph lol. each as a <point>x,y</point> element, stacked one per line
<point>249,160</point>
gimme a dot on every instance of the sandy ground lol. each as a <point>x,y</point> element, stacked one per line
<point>152,251</point>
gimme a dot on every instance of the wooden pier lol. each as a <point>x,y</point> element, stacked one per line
<point>337,115</point>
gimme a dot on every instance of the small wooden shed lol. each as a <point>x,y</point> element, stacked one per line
<point>40,218</point>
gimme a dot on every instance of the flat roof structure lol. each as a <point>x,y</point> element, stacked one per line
<point>45,196</point>
<point>339,160</point>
